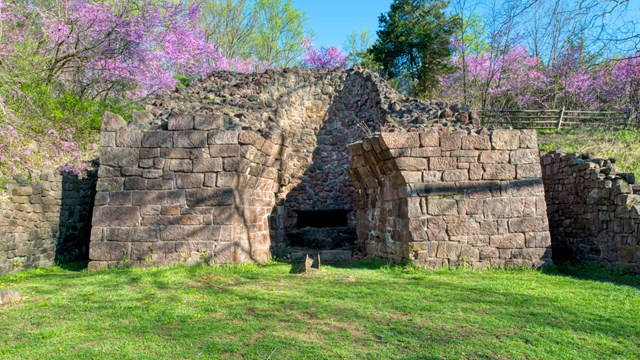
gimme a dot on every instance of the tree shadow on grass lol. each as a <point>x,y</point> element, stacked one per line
<point>595,273</point>
<point>413,312</point>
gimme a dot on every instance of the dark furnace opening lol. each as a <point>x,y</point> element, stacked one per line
<point>322,218</point>
<point>323,232</point>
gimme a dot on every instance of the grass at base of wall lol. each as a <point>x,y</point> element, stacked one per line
<point>622,145</point>
<point>599,272</point>
<point>364,310</point>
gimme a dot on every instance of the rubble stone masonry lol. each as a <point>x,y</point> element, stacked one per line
<point>45,220</point>
<point>593,212</point>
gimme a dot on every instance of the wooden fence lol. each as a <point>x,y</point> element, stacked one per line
<point>558,119</point>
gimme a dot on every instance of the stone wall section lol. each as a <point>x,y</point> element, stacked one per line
<point>219,171</point>
<point>437,198</point>
<point>45,221</point>
<point>318,113</point>
<point>194,192</point>
<point>593,211</point>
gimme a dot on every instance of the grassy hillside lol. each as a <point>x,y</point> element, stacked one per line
<point>365,310</point>
<point>623,145</point>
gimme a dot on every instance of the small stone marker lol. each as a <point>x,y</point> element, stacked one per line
<point>9,296</point>
<point>308,263</point>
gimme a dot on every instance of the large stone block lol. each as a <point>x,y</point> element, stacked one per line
<point>147,153</point>
<point>223,137</point>
<point>464,227</point>
<point>449,250</point>
<point>430,138</point>
<point>529,139</point>
<point>181,165</point>
<point>129,138</point>
<point>173,153</point>
<point>455,175</point>
<point>209,122</point>
<point>112,122</point>
<point>158,197</point>
<point>207,165</point>
<point>225,215</point>
<point>157,139</point>
<point>508,241</point>
<point>110,184</point>
<point>528,224</point>
<point>124,234</point>
<point>469,253</point>
<point>488,253</point>
<point>498,208</point>
<point>116,216</point>
<point>190,139</point>
<point>538,239</point>
<point>525,156</point>
<point>431,176</point>
<point>476,142</point>
<point>398,140</point>
<point>197,233</point>
<point>412,164</point>
<point>189,181</point>
<point>437,206</point>
<point>119,198</point>
<point>450,142</point>
<point>106,251</point>
<point>107,139</point>
<point>209,197</point>
<point>119,157</point>
<point>210,180</point>
<point>442,163</point>
<point>494,157</point>
<point>135,183</point>
<point>499,172</point>
<point>180,122</point>
<point>505,139</point>
<point>526,188</point>
<point>528,171</point>
<point>224,150</point>
<point>426,152</point>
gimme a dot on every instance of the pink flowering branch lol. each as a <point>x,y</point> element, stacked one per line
<point>323,58</point>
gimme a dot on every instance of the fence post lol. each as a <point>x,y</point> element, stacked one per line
<point>560,119</point>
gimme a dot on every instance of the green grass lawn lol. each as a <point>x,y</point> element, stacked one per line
<point>623,145</point>
<point>366,310</point>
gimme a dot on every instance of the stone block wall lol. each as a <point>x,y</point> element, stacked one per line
<point>593,212</point>
<point>436,198</point>
<point>45,221</point>
<point>220,170</point>
<point>195,192</point>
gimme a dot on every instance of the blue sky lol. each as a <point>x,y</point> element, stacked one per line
<point>333,20</point>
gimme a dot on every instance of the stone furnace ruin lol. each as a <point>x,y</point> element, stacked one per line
<point>240,168</point>
<point>289,163</point>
